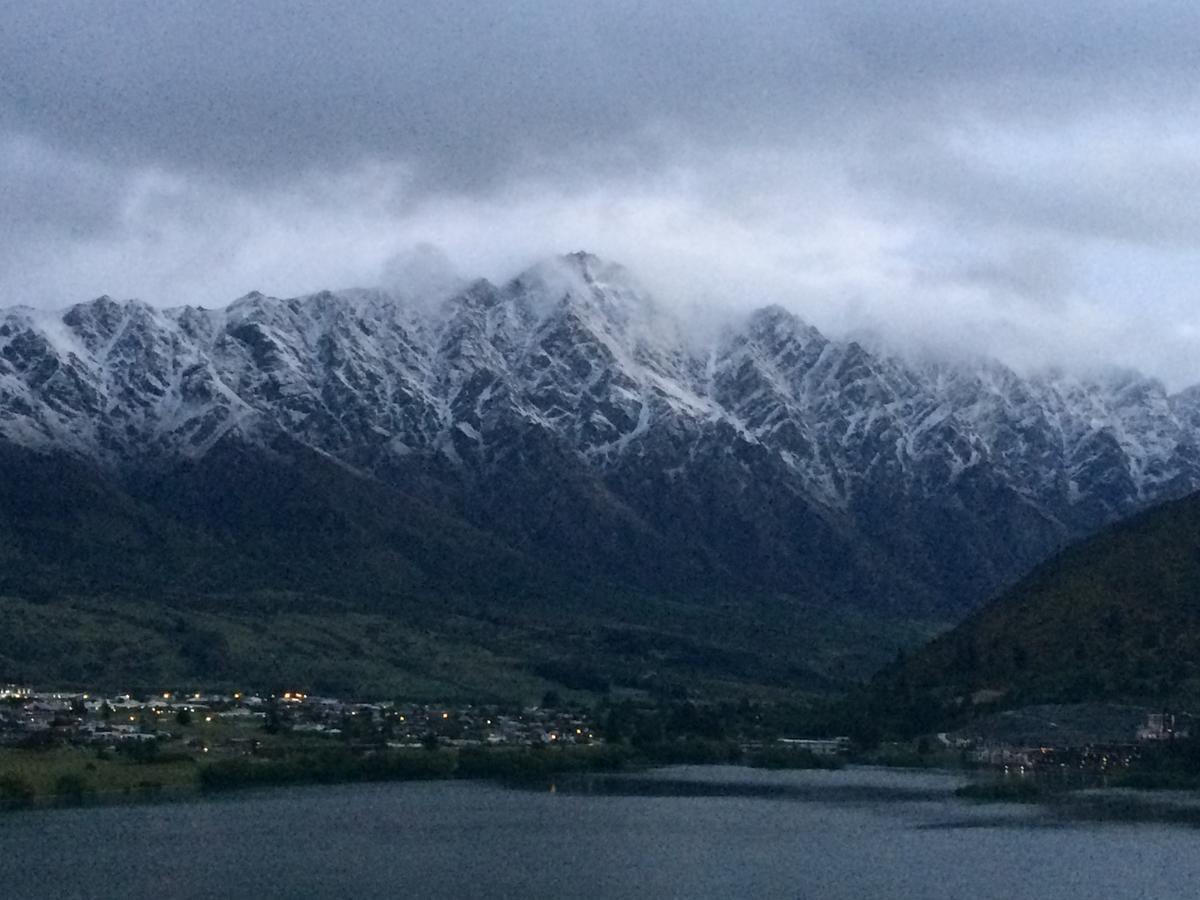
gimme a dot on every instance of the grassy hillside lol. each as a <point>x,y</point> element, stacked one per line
<point>288,570</point>
<point>670,648</point>
<point>1116,616</point>
<point>236,522</point>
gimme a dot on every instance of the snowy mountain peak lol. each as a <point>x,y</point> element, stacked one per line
<point>574,352</point>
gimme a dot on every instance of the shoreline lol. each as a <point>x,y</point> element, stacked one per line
<point>67,776</point>
<point>1116,803</point>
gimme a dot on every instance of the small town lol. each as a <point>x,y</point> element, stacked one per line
<point>1098,756</point>
<point>223,722</point>
<point>248,723</point>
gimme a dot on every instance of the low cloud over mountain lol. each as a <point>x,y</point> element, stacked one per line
<point>1015,179</point>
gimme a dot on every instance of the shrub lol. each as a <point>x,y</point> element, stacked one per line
<point>71,787</point>
<point>15,792</point>
<point>1022,790</point>
<point>787,758</point>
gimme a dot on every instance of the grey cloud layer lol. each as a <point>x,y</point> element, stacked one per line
<point>468,89</point>
<point>1018,178</point>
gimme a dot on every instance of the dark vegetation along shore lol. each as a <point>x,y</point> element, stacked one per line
<point>61,777</point>
<point>31,779</point>
<point>64,778</point>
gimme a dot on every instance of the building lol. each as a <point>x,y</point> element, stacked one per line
<point>1161,726</point>
<point>818,746</point>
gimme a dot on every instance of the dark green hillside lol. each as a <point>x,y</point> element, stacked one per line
<point>286,568</point>
<point>239,522</point>
<point>1116,616</point>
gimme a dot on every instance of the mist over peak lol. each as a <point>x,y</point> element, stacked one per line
<point>1014,182</point>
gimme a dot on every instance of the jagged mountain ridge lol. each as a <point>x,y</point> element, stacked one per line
<point>568,413</point>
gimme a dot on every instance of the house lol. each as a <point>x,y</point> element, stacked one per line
<point>1161,726</point>
<point>818,746</point>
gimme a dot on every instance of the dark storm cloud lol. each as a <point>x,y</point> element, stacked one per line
<point>994,174</point>
<point>469,90</point>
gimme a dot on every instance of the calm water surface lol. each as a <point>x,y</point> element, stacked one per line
<point>680,832</point>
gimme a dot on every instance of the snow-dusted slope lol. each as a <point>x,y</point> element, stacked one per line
<point>572,347</point>
<point>574,356</point>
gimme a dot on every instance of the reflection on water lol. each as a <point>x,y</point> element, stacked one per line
<point>678,832</point>
<point>867,785</point>
<point>854,785</point>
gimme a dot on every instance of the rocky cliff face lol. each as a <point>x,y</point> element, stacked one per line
<point>579,423</point>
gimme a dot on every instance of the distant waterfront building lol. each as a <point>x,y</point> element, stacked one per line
<point>1161,727</point>
<point>818,746</point>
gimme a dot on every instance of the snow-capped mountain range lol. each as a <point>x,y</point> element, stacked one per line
<point>762,450</point>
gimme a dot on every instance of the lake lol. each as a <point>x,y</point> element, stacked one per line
<point>679,832</point>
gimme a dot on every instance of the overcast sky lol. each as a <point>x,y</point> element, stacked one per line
<point>1017,178</point>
